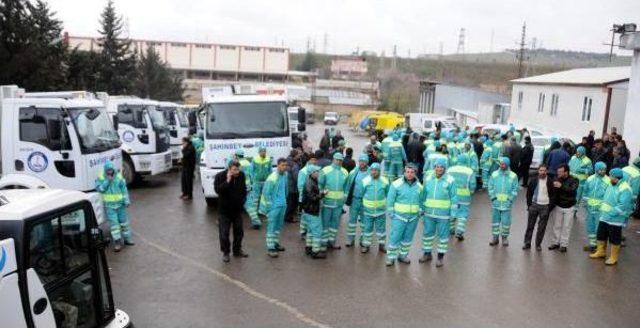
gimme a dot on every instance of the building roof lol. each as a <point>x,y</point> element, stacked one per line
<point>599,76</point>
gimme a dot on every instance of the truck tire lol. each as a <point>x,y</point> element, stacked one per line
<point>211,202</point>
<point>128,172</point>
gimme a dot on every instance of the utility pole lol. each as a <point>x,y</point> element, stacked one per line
<point>461,37</point>
<point>394,61</point>
<point>491,42</point>
<point>521,52</point>
<point>325,43</point>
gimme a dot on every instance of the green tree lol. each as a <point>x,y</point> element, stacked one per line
<point>31,49</point>
<point>309,63</point>
<point>82,70</point>
<point>156,80</point>
<point>117,62</point>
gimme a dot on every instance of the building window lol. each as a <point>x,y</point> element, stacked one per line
<point>251,49</point>
<point>554,104</point>
<point>541,98</point>
<point>586,109</point>
<point>181,45</point>
<point>520,98</point>
<point>204,46</point>
<point>276,50</point>
<point>227,47</point>
<point>153,44</point>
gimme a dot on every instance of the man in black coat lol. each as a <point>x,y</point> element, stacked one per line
<point>232,192</point>
<point>540,199</point>
<point>526,157</point>
<point>188,168</point>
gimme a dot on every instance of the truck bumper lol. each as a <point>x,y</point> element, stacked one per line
<point>207,175</point>
<point>152,164</point>
<point>121,320</point>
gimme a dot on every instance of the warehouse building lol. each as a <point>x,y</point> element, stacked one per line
<point>571,103</point>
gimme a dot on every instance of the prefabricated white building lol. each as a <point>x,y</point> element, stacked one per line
<point>571,103</point>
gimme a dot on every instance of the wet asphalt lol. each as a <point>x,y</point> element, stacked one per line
<point>175,277</point>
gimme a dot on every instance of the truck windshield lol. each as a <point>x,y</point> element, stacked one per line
<point>169,115</point>
<point>157,118</point>
<point>95,131</point>
<point>247,120</point>
<point>182,117</point>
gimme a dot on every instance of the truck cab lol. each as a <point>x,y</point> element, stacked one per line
<point>53,269</point>
<point>144,134</point>
<point>178,125</point>
<point>243,122</point>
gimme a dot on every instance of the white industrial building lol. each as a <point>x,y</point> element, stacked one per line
<point>208,60</point>
<point>571,103</point>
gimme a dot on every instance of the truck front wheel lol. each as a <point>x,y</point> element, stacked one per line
<point>128,172</point>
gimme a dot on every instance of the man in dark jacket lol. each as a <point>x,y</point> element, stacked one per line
<point>348,162</point>
<point>188,168</point>
<point>311,205</point>
<point>564,191</point>
<point>232,192</point>
<point>601,154</point>
<point>539,204</point>
<point>293,168</point>
<point>557,158</point>
<point>526,157</point>
<point>514,154</point>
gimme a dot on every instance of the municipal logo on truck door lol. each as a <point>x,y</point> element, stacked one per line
<point>37,162</point>
<point>128,136</point>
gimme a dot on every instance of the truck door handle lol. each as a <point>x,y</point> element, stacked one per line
<point>40,305</point>
<point>65,155</point>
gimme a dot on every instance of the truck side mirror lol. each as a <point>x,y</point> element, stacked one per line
<point>115,122</point>
<point>302,117</point>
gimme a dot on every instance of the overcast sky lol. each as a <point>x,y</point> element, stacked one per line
<point>419,26</point>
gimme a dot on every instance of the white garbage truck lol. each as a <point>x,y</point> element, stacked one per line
<point>144,134</point>
<point>245,122</point>
<point>56,140</point>
<point>53,269</point>
<point>176,118</point>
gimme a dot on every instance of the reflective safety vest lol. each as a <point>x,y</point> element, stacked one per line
<point>465,180</point>
<point>260,169</point>
<point>503,189</point>
<point>580,168</point>
<point>374,195</point>
<point>302,180</point>
<point>245,166</point>
<point>334,179</point>
<point>496,152</point>
<point>616,205</point>
<point>631,175</point>
<point>439,195</point>
<point>114,193</point>
<point>594,188</point>
<point>274,192</point>
<point>403,200</point>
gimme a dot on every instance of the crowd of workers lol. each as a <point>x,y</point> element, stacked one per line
<point>405,178</point>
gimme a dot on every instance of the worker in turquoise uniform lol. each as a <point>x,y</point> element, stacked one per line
<point>465,179</point>
<point>396,157</point>
<point>260,170</point>
<point>503,190</point>
<point>403,206</point>
<point>374,195</point>
<point>354,198</point>
<point>198,144</point>
<point>631,175</point>
<point>581,168</point>
<point>333,181</point>
<point>302,180</point>
<point>386,141</point>
<point>273,204</point>
<point>614,212</point>
<point>486,162</point>
<point>439,195</point>
<point>115,196</point>
<point>592,194</point>
<point>496,152</point>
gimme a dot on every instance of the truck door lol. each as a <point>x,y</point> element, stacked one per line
<point>11,311</point>
<point>61,252</point>
<point>45,147</point>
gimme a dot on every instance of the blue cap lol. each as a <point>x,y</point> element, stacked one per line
<point>313,168</point>
<point>600,166</point>
<point>441,162</point>
<point>262,148</point>
<point>240,152</point>
<point>616,173</point>
<point>581,150</point>
<point>375,166</point>
<point>505,160</point>
<point>338,156</point>
<point>363,158</point>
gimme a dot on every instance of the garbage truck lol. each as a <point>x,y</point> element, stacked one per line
<point>53,269</point>
<point>144,134</point>
<point>178,125</point>
<point>55,140</point>
<point>245,122</point>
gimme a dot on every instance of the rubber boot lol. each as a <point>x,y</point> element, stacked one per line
<point>613,258</point>
<point>494,241</point>
<point>601,250</point>
<point>364,250</point>
<point>381,248</point>
<point>404,260</point>
<point>505,241</point>
<point>307,250</point>
<point>426,257</point>
<point>117,246</point>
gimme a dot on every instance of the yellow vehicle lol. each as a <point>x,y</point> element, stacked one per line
<point>357,116</point>
<point>385,121</point>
